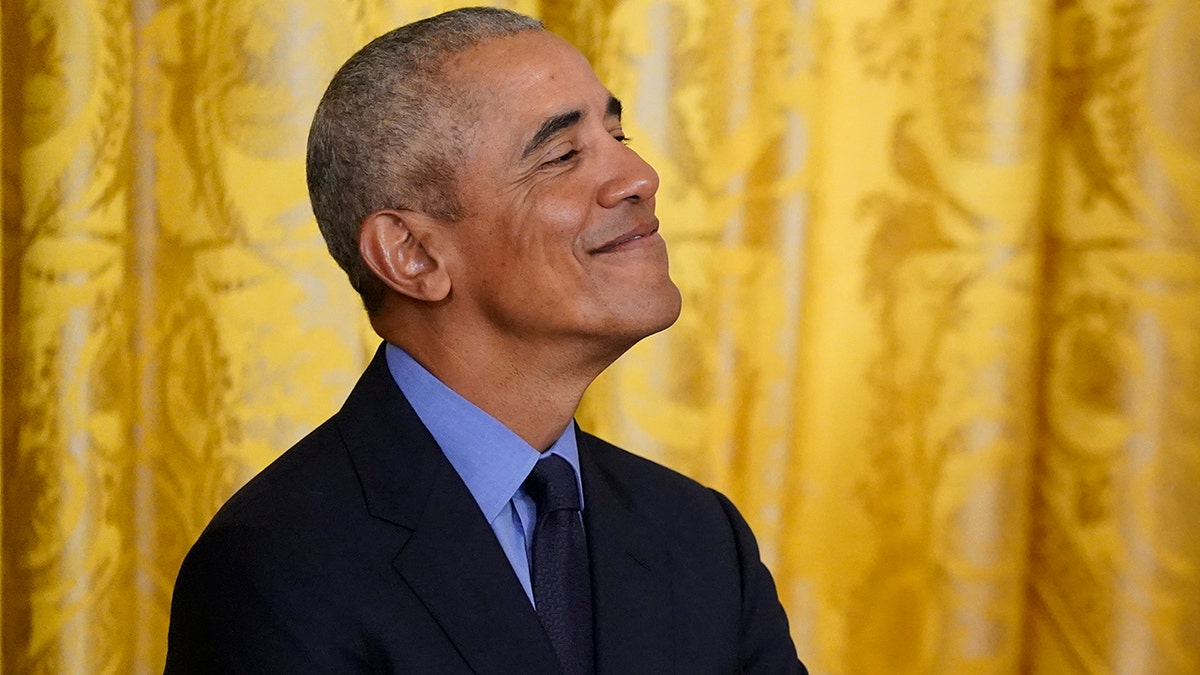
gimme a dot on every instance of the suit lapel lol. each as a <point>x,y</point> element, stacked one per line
<point>449,557</point>
<point>454,564</point>
<point>631,586</point>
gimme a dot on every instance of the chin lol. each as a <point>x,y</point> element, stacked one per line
<point>657,312</point>
<point>669,309</point>
<point>607,345</point>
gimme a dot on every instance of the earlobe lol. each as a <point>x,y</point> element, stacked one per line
<point>391,244</point>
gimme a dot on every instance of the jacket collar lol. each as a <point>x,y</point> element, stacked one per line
<point>448,554</point>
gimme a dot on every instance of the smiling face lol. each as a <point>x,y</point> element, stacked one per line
<point>559,244</point>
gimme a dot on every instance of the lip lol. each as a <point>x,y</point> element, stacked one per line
<point>641,231</point>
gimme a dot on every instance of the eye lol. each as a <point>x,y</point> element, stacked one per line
<point>562,159</point>
<point>622,138</point>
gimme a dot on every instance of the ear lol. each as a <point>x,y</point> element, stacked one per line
<point>391,244</point>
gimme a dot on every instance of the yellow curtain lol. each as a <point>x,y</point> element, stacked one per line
<point>941,336</point>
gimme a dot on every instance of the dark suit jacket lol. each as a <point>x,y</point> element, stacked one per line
<point>361,550</point>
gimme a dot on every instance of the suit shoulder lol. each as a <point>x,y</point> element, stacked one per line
<point>713,554</point>
<point>305,507</point>
<point>316,465</point>
<point>635,466</point>
<point>652,487</point>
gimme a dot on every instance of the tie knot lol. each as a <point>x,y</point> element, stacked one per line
<point>552,485</point>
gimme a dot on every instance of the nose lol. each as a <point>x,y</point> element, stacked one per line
<point>630,179</point>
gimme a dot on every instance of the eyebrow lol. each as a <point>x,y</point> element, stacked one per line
<point>613,109</point>
<point>553,125</point>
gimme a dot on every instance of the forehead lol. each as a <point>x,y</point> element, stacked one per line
<point>523,78</point>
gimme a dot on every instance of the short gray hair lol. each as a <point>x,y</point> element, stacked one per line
<point>374,141</point>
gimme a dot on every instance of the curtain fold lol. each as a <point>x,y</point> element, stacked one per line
<point>940,262</point>
<point>1115,546</point>
<point>68,461</point>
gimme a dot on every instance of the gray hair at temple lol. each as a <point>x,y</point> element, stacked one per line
<point>374,141</point>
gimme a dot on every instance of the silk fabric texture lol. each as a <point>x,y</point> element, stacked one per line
<point>940,304</point>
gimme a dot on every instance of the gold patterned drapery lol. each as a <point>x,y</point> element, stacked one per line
<point>941,336</point>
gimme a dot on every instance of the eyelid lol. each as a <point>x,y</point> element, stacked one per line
<point>561,156</point>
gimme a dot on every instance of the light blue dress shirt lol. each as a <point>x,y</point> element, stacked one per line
<point>491,459</point>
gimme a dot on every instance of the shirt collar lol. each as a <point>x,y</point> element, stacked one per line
<point>491,459</point>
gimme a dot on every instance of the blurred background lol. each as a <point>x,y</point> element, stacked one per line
<point>941,338</point>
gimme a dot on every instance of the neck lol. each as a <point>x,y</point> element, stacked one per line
<point>532,389</point>
<point>535,402</point>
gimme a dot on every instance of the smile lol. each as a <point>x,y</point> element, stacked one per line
<point>636,234</point>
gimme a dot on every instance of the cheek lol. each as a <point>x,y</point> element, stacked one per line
<point>550,234</point>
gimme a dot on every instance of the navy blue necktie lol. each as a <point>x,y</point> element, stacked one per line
<point>562,587</point>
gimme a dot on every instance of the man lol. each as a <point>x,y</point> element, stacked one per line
<point>470,174</point>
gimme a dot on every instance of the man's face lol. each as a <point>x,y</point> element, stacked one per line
<point>560,243</point>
